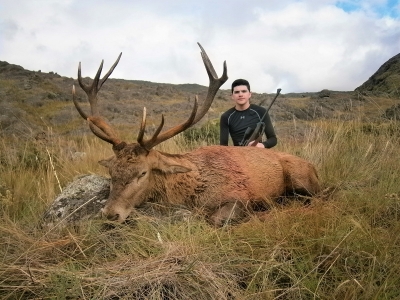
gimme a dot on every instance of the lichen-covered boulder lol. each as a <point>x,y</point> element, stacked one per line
<point>83,199</point>
<point>80,200</point>
<point>392,113</point>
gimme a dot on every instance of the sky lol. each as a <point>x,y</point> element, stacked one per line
<point>295,45</point>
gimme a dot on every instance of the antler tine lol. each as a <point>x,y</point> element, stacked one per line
<point>142,127</point>
<point>103,131</point>
<point>209,67</point>
<point>105,77</point>
<point>148,144</point>
<point>93,89</point>
<point>77,106</point>
<point>84,87</point>
<point>214,85</point>
<point>96,123</point>
<point>157,139</point>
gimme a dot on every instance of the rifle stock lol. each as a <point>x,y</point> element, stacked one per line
<point>256,136</point>
<point>246,136</point>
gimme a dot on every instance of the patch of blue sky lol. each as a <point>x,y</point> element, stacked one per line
<point>348,6</point>
<point>389,8</point>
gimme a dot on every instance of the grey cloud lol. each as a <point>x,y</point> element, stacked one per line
<point>8,29</point>
<point>301,45</point>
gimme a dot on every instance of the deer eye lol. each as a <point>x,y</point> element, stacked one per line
<point>142,174</point>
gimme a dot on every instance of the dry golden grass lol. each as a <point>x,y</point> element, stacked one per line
<point>344,245</point>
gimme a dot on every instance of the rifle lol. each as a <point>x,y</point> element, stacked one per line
<point>256,134</point>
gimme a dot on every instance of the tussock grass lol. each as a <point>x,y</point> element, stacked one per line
<point>344,245</point>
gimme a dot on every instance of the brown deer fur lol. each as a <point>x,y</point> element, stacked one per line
<point>224,181</point>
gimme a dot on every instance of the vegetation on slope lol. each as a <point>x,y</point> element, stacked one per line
<point>385,81</point>
<point>344,245</point>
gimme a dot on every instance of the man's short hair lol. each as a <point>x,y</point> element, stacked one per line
<point>240,82</point>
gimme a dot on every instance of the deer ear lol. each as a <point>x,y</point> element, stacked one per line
<point>107,162</point>
<point>173,169</point>
<point>170,165</point>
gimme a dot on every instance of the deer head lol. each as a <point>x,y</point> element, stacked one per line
<point>134,165</point>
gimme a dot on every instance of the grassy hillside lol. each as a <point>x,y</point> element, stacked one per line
<point>342,246</point>
<point>385,81</point>
<point>31,102</point>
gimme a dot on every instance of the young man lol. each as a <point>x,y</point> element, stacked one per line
<point>235,121</point>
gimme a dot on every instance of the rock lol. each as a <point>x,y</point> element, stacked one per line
<point>80,200</point>
<point>78,155</point>
<point>27,85</point>
<point>392,113</point>
<point>51,95</point>
<point>84,198</point>
<point>324,93</point>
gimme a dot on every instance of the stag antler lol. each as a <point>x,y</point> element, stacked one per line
<point>105,132</point>
<point>214,85</point>
<point>96,123</point>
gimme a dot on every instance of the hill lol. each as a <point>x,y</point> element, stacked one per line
<point>385,81</point>
<point>31,102</point>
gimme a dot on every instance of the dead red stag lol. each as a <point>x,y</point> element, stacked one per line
<point>226,181</point>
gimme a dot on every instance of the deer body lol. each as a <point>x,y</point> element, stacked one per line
<point>227,182</point>
<point>217,179</point>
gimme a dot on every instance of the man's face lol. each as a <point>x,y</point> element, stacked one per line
<point>241,96</point>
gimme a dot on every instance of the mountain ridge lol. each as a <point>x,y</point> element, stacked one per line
<point>31,101</point>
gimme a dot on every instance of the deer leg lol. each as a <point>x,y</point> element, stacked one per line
<point>227,213</point>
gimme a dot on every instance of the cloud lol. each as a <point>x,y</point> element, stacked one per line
<point>295,45</point>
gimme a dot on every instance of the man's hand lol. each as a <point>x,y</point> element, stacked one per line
<point>259,145</point>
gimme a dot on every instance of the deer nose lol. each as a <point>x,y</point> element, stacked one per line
<point>113,217</point>
<point>109,216</point>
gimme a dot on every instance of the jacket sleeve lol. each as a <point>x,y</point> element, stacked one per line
<point>269,133</point>
<point>223,131</point>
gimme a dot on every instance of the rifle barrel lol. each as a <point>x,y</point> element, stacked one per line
<point>278,91</point>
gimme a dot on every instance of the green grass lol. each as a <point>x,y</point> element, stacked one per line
<point>345,245</point>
